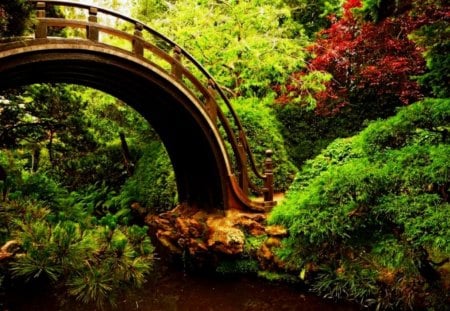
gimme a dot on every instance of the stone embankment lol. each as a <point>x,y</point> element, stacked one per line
<point>204,233</point>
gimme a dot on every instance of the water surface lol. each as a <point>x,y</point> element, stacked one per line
<point>174,290</point>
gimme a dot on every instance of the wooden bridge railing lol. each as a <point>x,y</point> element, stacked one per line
<point>150,45</point>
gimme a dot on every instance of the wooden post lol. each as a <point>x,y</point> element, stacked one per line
<point>176,66</point>
<point>268,181</point>
<point>92,31</point>
<point>243,176</point>
<point>211,106</point>
<point>41,27</point>
<point>138,46</point>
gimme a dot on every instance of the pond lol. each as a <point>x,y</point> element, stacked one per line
<point>173,290</point>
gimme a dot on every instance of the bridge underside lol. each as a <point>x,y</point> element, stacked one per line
<point>190,139</point>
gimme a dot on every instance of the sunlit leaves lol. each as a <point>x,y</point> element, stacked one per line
<point>246,45</point>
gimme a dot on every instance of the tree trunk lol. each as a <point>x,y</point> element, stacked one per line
<point>128,161</point>
<point>35,157</point>
<point>3,176</point>
<point>50,149</point>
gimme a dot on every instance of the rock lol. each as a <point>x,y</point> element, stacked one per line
<point>265,253</point>
<point>141,211</point>
<point>168,239</point>
<point>169,245</point>
<point>210,233</point>
<point>226,240</point>
<point>252,227</point>
<point>196,245</point>
<point>9,249</point>
<point>190,227</point>
<point>277,231</point>
<point>182,225</point>
<point>254,216</point>
<point>159,223</point>
<point>273,242</point>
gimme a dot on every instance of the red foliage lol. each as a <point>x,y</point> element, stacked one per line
<point>371,63</point>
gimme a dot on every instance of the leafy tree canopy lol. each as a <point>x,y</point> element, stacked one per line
<point>247,45</point>
<point>314,15</point>
<point>369,68</point>
<point>14,17</point>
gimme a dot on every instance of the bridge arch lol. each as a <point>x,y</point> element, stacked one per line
<point>187,127</point>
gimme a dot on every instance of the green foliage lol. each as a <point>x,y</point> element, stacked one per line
<point>377,10</point>
<point>253,243</point>
<point>305,133</point>
<point>262,130</point>
<point>434,39</point>
<point>68,130</point>
<point>423,123</point>
<point>238,266</point>
<point>37,186</point>
<point>107,117</point>
<point>384,190</point>
<point>153,183</point>
<point>277,277</point>
<point>93,261</point>
<point>350,281</point>
<point>15,17</point>
<point>247,45</point>
<point>313,14</point>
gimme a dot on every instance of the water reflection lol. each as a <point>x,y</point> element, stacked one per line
<point>175,291</point>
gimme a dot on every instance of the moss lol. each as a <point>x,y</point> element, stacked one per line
<point>278,277</point>
<point>253,243</point>
<point>238,266</point>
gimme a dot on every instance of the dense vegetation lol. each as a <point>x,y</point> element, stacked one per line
<point>61,200</point>
<point>352,95</point>
<point>369,216</point>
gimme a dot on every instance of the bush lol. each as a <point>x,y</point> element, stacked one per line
<point>153,184</point>
<point>93,261</point>
<point>305,133</point>
<point>263,132</point>
<point>37,186</point>
<point>385,190</point>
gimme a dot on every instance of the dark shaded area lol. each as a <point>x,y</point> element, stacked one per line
<point>171,289</point>
<point>14,17</point>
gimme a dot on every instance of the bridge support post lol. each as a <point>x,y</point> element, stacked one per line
<point>138,46</point>
<point>176,66</point>
<point>41,27</point>
<point>268,181</point>
<point>211,106</point>
<point>243,175</point>
<point>92,31</point>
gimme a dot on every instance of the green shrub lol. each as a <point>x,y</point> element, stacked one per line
<point>37,186</point>
<point>305,133</point>
<point>263,133</point>
<point>385,190</point>
<point>153,184</point>
<point>94,262</point>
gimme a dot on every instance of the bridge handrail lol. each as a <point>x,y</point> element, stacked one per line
<point>239,145</point>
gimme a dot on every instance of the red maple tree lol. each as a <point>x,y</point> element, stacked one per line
<point>372,64</point>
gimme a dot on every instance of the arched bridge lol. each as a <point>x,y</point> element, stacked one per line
<point>197,124</point>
